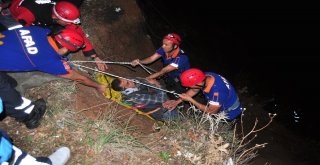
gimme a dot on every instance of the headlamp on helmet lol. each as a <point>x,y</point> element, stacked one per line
<point>175,38</point>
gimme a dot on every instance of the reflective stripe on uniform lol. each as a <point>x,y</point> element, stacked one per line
<point>234,106</point>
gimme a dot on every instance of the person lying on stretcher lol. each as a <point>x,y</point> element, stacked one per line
<point>147,99</point>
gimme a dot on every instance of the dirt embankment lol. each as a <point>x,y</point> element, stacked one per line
<point>116,29</point>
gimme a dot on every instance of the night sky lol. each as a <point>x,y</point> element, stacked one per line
<point>271,49</point>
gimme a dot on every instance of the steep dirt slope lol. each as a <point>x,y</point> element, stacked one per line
<point>115,27</point>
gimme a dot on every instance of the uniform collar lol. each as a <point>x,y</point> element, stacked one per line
<point>53,43</point>
<point>209,83</point>
<point>175,53</point>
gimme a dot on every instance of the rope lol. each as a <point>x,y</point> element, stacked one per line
<point>135,81</point>
<point>105,62</point>
<point>145,68</point>
<point>120,63</point>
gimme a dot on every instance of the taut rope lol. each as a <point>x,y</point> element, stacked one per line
<point>120,63</point>
<point>135,81</point>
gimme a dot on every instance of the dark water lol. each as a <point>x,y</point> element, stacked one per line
<point>274,51</point>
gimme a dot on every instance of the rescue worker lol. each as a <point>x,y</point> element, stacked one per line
<point>31,49</point>
<point>219,93</point>
<point>174,59</point>
<point>56,15</point>
<point>22,109</point>
<point>11,154</point>
<point>146,99</point>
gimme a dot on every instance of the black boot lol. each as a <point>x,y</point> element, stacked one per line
<point>33,121</point>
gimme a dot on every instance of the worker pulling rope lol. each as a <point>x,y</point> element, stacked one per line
<point>113,75</point>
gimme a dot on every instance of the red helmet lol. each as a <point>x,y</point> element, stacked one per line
<point>192,77</point>
<point>175,38</point>
<point>70,39</point>
<point>66,11</point>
